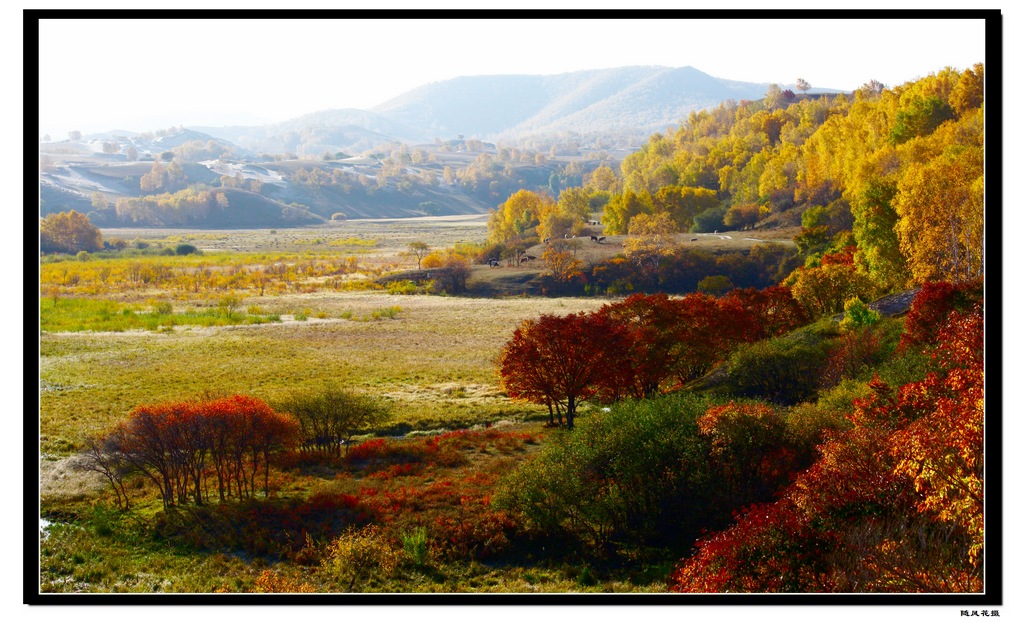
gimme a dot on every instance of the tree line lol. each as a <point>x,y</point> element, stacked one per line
<point>637,347</point>
<point>198,451</point>
<point>896,173</point>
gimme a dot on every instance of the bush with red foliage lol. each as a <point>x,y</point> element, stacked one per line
<point>476,533</point>
<point>932,306</point>
<point>894,504</point>
<point>853,352</point>
<point>751,453</point>
<point>773,311</point>
<point>377,453</point>
<point>179,446</point>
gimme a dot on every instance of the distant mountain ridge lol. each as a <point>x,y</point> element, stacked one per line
<point>645,98</point>
<point>638,100</point>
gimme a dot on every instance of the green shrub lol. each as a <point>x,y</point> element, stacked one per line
<point>186,249</point>
<point>416,546</point>
<point>856,314</point>
<point>403,287</point>
<point>783,370</point>
<point>329,417</point>
<point>163,308</point>
<point>386,312</point>
<point>637,475</point>
<point>710,220</point>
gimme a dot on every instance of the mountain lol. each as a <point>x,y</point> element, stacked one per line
<point>442,148</point>
<point>509,108</point>
<point>644,99</point>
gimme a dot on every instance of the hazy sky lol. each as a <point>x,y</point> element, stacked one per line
<point>143,75</point>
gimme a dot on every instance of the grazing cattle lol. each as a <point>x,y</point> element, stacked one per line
<point>493,263</point>
<point>693,240</point>
<point>594,238</point>
<point>567,236</point>
<point>529,257</point>
<point>546,240</point>
<point>601,239</point>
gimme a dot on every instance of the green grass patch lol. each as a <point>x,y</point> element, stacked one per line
<point>65,315</point>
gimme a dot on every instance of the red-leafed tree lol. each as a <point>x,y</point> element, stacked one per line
<point>654,350</point>
<point>173,444</point>
<point>773,311</point>
<point>932,306</point>
<point>559,360</point>
<point>709,330</point>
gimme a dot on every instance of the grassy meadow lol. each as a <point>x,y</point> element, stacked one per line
<point>109,343</point>
<point>433,359</point>
<point>132,328</point>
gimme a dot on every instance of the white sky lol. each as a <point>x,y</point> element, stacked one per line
<point>100,75</point>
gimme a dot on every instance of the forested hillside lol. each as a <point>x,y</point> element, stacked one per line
<point>886,185</point>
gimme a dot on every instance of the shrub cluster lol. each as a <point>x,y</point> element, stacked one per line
<point>893,504</point>
<point>635,348</point>
<point>652,473</point>
<point>187,449</point>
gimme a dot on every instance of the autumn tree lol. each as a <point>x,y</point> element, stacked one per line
<point>742,216</point>
<point>650,238</point>
<point>99,201</point>
<point>874,229</point>
<point>931,308</point>
<point>558,361</point>
<point>521,211</point>
<point>178,446</point>
<point>941,226</point>
<point>603,178</point>
<point>561,262</point>
<point>622,208</point>
<point>969,92</point>
<point>683,203</point>
<point>655,346</point>
<point>154,179</point>
<point>419,250</point>
<point>100,456</point>
<point>68,232</point>
<point>773,97</point>
<point>824,289</point>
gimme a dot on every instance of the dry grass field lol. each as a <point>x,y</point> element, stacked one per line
<point>377,237</point>
<point>431,356</point>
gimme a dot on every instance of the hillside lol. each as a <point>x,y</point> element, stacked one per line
<point>461,146</point>
<point>511,108</point>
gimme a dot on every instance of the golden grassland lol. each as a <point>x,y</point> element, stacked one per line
<point>434,360</point>
<point>432,356</point>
